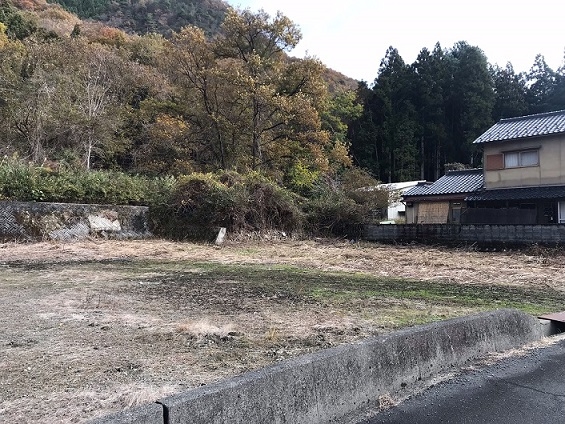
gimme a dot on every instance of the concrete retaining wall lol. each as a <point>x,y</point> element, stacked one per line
<point>324,387</point>
<point>32,221</point>
<point>452,233</point>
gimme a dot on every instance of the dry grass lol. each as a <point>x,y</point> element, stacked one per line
<point>97,326</point>
<point>202,329</point>
<point>410,261</point>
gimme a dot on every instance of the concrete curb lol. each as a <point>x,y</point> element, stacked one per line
<point>328,385</point>
<point>146,414</point>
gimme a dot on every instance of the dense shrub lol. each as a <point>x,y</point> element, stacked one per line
<point>269,206</point>
<point>196,205</point>
<point>340,208</point>
<point>202,203</point>
<point>333,214</point>
<point>17,181</point>
<point>20,181</point>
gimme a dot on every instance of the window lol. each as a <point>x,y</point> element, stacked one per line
<point>529,158</point>
<point>520,159</point>
<point>512,160</point>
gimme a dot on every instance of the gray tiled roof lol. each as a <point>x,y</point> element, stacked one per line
<point>453,182</point>
<point>525,127</point>
<point>525,193</point>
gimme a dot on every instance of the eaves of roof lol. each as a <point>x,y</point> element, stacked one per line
<point>457,197</point>
<point>522,193</point>
<point>453,182</point>
<point>542,124</point>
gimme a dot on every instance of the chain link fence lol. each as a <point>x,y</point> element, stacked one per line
<point>33,221</point>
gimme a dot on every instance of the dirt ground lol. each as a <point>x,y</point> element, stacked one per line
<point>96,326</point>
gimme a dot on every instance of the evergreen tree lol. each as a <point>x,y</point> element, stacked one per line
<point>16,24</point>
<point>557,100</point>
<point>428,98</point>
<point>469,102</point>
<point>422,116</point>
<point>509,92</point>
<point>363,132</point>
<point>395,113</point>
<point>541,83</point>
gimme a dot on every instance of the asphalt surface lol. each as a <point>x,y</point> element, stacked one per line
<point>517,390</point>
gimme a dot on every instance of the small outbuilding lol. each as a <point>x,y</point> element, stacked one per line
<point>443,201</point>
<point>396,210</point>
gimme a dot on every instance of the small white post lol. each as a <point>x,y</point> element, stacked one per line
<point>221,235</point>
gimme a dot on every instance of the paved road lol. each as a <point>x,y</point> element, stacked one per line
<point>527,390</point>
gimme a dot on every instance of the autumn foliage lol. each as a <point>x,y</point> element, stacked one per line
<point>245,136</point>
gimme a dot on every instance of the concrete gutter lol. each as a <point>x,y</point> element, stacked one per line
<point>325,386</point>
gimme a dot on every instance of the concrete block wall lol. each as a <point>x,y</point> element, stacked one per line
<point>326,386</point>
<point>33,221</point>
<point>483,233</point>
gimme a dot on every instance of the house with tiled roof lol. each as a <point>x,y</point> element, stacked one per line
<point>523,180</point>
<point>443,201</point>
<point>524,172</point>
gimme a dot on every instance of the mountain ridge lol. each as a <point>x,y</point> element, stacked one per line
<point>140,18</point>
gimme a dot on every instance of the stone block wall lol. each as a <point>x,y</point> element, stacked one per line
<point>34,221</point>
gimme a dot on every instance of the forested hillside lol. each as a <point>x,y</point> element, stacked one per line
<point>84,94</point>
<point>159,16</point>
<point>419,117</point>
<point>167,16</point>
<point>92,96</point>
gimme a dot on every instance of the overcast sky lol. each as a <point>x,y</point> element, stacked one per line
<point>352,36</point>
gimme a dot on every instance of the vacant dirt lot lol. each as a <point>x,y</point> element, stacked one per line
<point>92,327</point>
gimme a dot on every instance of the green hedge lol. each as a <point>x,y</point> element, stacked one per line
<point>201,203</point>
<point>196,205</point>
<point>24,182</point>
